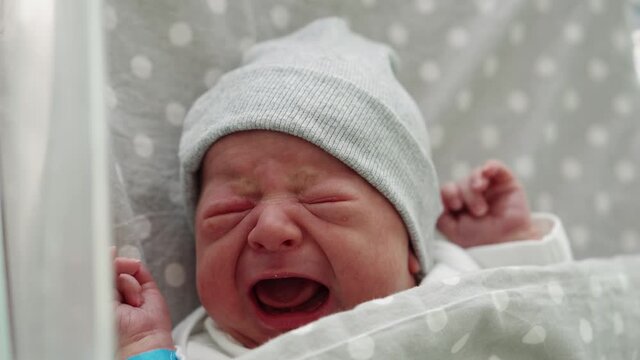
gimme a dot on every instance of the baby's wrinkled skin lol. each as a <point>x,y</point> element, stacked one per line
<point>275,206</point>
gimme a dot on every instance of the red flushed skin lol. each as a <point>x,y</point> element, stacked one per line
<point>275,205</point>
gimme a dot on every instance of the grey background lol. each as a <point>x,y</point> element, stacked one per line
<point>546,86</point>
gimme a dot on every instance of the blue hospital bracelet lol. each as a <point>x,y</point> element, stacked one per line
<point>160,354</point>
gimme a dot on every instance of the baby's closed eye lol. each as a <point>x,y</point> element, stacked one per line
<point>335,210</point>
<point>222,216</point>
<point>227,207</point>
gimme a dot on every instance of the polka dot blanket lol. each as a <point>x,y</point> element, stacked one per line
<point>585,310</point>
<point>547,86</point>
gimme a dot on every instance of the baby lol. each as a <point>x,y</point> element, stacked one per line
<point>309,183</point>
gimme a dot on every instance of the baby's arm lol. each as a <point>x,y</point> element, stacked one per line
<point>143,320</point>
<point>487,207</point>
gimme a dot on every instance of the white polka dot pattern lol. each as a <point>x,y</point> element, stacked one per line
<point>368,3</point>
<point>518,102</point>
<point>280,16</point>
<point>460,344</point>
<point>579,236</point>
<point>362,348</point>
<point>586,332</point>
<point>398,34</point>
<point>545,66</point>
<point>489,137</point>
<point>175,113</point>
<point>174,275</point>
<point>180,34</point>
<point>543,6</point>
<point>130,251</point>
<point>625,171</point>
<point>304,329</point>
<point>525,167</point>
<point>571,169</point>
<point>597,136</point>
<point>425,6</point>
<point>571,100</point>
<point>430,71</point>
<point>437,320</point>
<point>143,227</point>
<point>573,33</point>
<point>486,6</point>
<point>218,7</point>
<point>452,281</point>
<point>536,335</point>
<point>141,66</point>
<point>602,203</point>
<point>458,38</point>
<point>143,145</point>
<point>555,292</point>
<point>598,70</point>
<point>383,301</point>
<point>562,116</point>
<point>460,170</point>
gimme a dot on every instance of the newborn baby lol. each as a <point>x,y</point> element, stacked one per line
<point>309,183</point>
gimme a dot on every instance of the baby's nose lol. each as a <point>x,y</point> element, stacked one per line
<point>274,231</point>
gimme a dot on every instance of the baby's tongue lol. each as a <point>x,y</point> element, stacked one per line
<point>285,293</point>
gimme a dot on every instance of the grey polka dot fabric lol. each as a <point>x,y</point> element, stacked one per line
<point>586,310</point>
<point>549,87</point>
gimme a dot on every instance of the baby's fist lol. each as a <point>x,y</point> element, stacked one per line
<point>143,320</point>
<point>489,206</point>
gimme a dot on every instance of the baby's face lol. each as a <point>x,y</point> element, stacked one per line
<point>286,234</point>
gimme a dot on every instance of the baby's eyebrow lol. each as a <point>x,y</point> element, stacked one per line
<point>245,186</point>
<point>304,178</point>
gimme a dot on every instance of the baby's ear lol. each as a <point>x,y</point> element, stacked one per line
<point>414,263</point>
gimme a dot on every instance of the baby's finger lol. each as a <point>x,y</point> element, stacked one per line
<point>497,172</point>
<point>478,181</point>
<point>129,289</point>
<point>123,265</point>
<point>451,197</point>
<point>143,276</point>
<point>474,201</point>
<point>133,267</point>
<point>447,225</point>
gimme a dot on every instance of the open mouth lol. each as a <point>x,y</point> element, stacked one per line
<point>289,295</point>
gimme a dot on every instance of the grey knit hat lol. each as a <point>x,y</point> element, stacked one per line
<point>338,91</point>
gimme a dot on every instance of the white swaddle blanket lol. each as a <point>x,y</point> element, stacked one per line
<point>199,338</point>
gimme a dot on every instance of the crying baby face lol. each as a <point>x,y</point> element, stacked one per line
<point>287,234</point>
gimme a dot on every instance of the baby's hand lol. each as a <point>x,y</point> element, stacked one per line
<point>143,320</point>
<point>487,207</point>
